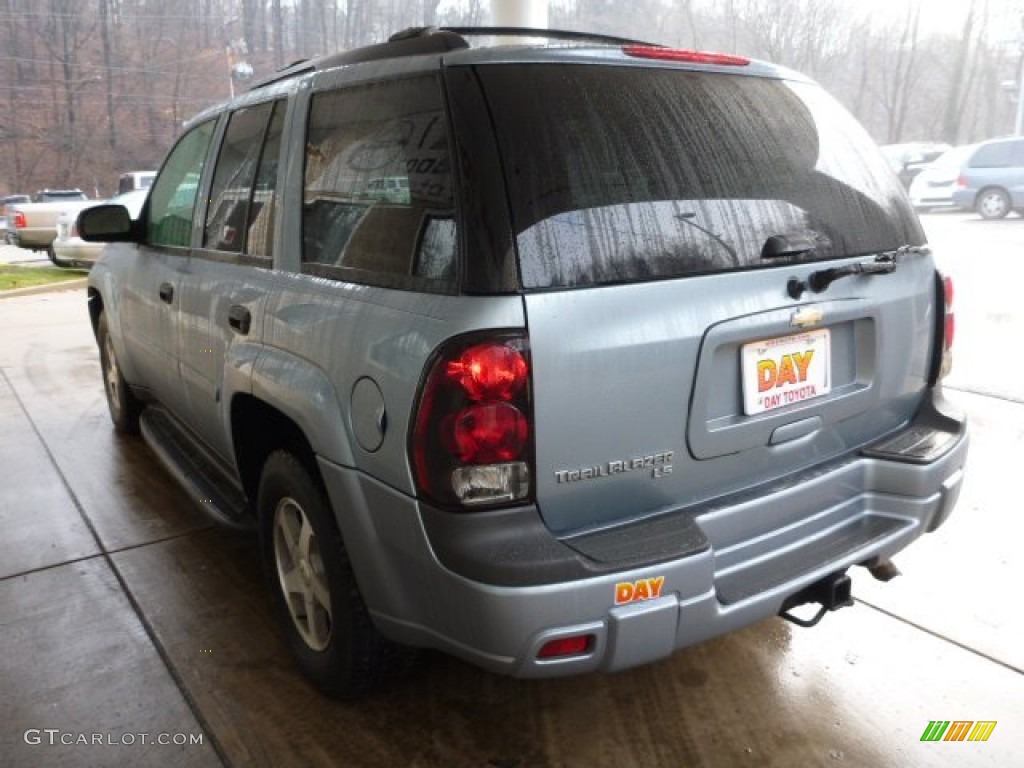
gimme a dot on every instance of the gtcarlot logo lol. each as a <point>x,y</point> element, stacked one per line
<point>55,736</point>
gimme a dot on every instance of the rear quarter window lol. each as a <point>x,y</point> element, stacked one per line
<point>377,197</point>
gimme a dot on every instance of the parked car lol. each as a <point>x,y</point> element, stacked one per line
<point>58,195</point>
<point>933,186</point>
<point>34,225</point>
<point>652,350</point>
<point>4,202</point>
<point>992,180</point>
<point>135,180</point>
<point>69,250</point>
<point>909,159</point>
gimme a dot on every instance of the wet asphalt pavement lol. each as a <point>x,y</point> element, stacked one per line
<point>127,618</point>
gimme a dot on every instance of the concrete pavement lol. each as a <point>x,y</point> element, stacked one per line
<point>125,612</point>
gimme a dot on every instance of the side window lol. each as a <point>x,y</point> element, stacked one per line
<point>172,202</point>
<point>240,213</point>
<point>260,227</point>
<point>1018,154</point>
<point>377,188</point>
<point>992,156</point>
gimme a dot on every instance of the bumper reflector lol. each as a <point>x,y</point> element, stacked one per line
<point>576,645</point>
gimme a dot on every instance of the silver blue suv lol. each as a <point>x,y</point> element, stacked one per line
<point>555,358</point>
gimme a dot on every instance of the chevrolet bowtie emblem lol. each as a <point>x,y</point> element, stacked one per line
<point>807,317</point>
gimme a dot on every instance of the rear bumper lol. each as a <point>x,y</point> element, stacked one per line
<point>76,249</point>
<point>723,574</point>
<point>30,239</point>
<point>964,198</point>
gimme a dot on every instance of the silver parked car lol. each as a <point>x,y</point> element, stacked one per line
<point>4,202</point>
<point>69,250</point>
<point>649,348</point>
<point>992,180</point>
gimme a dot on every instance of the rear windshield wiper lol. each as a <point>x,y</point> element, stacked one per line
<point>883,264</point>
<point>786,246</point>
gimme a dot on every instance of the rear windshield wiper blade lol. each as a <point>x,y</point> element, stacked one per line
<point>823,278</point>
<point>883,264</point>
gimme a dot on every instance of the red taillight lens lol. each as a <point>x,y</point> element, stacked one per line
<point>576,645</point>
<point>689,57</point>
<point>947,328</point>
<point>489,372</point>
<point>471,442</point>
<point>950,326</point>
<point>19,220</point>
<point>961,181</point>
<point>485,434</point>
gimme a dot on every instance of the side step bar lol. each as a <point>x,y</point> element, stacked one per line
<point>198,473</point>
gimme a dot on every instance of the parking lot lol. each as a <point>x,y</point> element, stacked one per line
<point>128,619</point>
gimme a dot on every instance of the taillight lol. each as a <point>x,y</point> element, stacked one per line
<point>19,220</point>
<point>686,56</point>
<point>948,326</point>
<point>472,438</point>
<point>961,181</point>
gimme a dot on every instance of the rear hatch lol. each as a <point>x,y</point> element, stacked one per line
<point>669,223</point>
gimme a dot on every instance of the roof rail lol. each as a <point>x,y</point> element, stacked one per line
<point>551,34</point>
<point>424,40</point>
<point>416,41</point>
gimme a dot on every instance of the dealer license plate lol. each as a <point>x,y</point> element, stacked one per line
<point>785,371</point>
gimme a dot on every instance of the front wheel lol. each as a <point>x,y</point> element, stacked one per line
<point>313,588</point>
<point>992,203</point>
<point>124,406</point>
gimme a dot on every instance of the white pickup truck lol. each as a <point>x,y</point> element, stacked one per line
<point>34,225</point>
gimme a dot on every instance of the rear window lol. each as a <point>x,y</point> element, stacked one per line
<point>626,173</point>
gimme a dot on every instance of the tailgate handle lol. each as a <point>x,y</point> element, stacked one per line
<point>166,293</point>
<point>795,430</point>
<point>239,318</point>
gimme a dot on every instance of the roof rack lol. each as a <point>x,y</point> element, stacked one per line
<point>428,40</point>
<point>551,34</point>
<point>416,41</point>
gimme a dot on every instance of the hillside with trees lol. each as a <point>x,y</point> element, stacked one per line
<point>92,88</point>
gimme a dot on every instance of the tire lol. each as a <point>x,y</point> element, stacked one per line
<point>313,589</point>
<point>992,203</point>
<point>124,406</point>
<point>52,255</point>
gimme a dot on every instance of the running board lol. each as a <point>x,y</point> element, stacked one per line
<point>199,475</point>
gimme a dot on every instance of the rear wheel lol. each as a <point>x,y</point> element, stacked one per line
<point>52,255</point>
<point>314,591</point>
<point>124,406</point>
<point>992,203</point>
